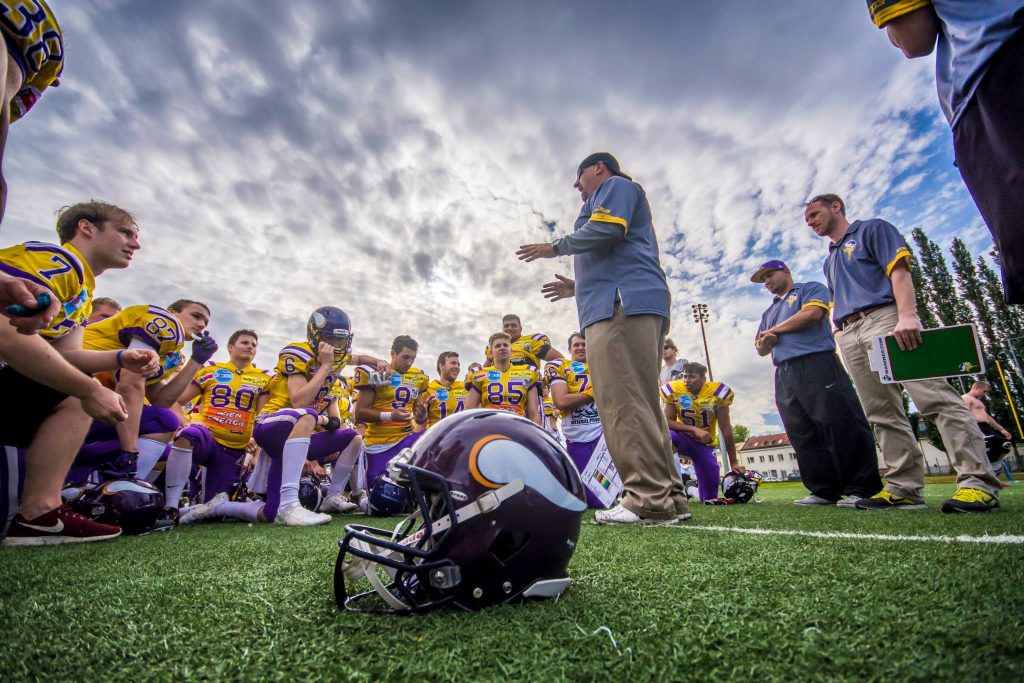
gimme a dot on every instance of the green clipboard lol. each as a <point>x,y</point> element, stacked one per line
<point>944,352</point>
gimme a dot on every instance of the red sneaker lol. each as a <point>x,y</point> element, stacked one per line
<point>62,525</point>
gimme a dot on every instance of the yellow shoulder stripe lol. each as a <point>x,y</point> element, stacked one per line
<point>605,218</point>
<point>814,303</point>
<point>884,11</point>
<point>901,253</point>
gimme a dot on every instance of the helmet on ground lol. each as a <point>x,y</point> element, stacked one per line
<point>388,498</point>
<point>740,486</point>
<point>132,504</point>
<point>498,511</point>
<point>310,493</point>
<point>333,326</point>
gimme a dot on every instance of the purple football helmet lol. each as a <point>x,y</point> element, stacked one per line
<point>132,504</point>
<point>740,487</point>
<point>310,493</point>
<point>498,512</point>
<point>388,498</point>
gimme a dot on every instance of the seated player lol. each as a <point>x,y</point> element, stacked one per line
<point>139,442</point>
<point>573,394</point>
<point>696,409</point>
<point>299,391</point>
<point>387,403</point>
<point>445,395</point>
<point>227,395</point>
<point>50,396</point>
<point>506,387</point>
<point>103,307</point>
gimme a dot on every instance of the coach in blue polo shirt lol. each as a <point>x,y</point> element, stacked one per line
<point>816,400</point>
<point>868,273</point>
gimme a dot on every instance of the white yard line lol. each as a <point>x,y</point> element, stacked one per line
<point>1001,539</point>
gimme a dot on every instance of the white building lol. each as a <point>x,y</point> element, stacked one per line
<point>772,455</point>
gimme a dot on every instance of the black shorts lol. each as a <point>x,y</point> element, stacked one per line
<point>989,142</point>
<point>27,404</point>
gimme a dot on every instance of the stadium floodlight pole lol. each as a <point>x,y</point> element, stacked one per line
<point>700,315</point>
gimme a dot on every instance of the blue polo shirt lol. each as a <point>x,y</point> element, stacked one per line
<point>811,339</point>
<point>858,267</point>
<point>628,270</point>
<point>970,34</point>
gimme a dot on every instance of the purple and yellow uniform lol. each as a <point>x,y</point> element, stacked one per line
<point>342,396</point>
<point>699,411</point>
<point>529,349</point>
<point>580,424</point>
<point>229,397</point>
<point>398,393</point>
<point>154,327</point>
<point>298,359</point>
<point>505,391</point>
<point>445,400</point>
<point>36,44</point>
<point>62,270</point>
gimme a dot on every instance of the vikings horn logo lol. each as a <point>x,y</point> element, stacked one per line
<point>848,247</point>
<point>497,460</point>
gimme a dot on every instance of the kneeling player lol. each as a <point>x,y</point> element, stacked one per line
<point>695,409</point>
<point>387,403</point>
<point>227,395</point>
<point>284,428</point>
<point>139,442</point>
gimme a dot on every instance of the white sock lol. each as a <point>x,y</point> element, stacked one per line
<point>257,482</point>
<point>238,510</point>
<point>343,466</point>
<point>358,477</point>
<point>293,456</point>
<point>149,455</point>
<point>176,471</point>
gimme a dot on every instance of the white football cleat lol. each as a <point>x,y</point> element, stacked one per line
<point>296,515</point>
<point>197,513</point>
<point>337,503</point>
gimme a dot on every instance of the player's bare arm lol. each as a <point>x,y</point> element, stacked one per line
<point>564,400</point>
<point>532,408</point>
<point>33,357</point>
<point>301,391</point>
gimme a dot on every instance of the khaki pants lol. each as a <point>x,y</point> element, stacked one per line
<point>624,357</point>
<point>935,399</point>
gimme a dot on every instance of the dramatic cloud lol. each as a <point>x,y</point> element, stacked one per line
<point>389,157</point>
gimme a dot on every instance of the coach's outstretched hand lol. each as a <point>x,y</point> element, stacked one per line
<point>532,252</point>
<point>20,292</point>
<point>203,347</point>
<point>562,288</point>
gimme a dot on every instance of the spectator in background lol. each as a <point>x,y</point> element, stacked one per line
<point>673,365</point>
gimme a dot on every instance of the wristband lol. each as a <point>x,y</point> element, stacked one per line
<point>119,363</point>
<point>384,417</point>
<point>333,423</point>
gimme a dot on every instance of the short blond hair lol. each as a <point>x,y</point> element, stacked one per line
<point>496,336</point>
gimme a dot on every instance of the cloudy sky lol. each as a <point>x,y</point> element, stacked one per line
<point>389,157</point>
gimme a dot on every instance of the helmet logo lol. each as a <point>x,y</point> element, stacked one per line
<point>319,320</point>
<point>496,460</point>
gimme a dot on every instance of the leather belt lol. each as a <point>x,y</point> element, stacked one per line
<point>857,315</point>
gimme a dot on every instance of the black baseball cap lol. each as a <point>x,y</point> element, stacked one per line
<point>610,162</point>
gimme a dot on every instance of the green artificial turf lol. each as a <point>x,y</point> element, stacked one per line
<point>234,602</point>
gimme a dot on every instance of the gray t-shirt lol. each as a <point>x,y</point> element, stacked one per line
<point>673,372</point>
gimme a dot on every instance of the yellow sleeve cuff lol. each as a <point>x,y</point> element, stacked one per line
<point>884,11</point>
<point>901,253</point>
<point>605,218</point>
<point>814,303</point>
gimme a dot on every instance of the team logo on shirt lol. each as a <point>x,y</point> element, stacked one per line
<point>576,366</point>
<point>223,375</point>
<point>686,401</point>
<point>848,247</point>
<point>791,299</point>
<point>493,375</point>
<point>442,394</point>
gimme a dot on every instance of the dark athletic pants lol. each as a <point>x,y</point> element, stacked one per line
<point>826,425</point>
<point>989,143</point>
